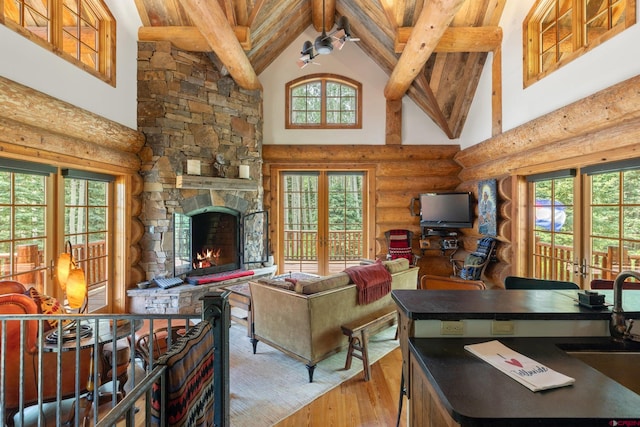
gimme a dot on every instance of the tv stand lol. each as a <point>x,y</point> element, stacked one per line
<point>443,240</point>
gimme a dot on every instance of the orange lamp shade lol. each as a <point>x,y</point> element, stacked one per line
<point>63,269</point>
<point>76,288</point>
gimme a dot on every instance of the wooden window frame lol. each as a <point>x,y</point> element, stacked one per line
<point>105,68</point>
<point>323,79</point>
<point>531,36</point>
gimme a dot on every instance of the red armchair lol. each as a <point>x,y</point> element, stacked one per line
<point>14,301</point>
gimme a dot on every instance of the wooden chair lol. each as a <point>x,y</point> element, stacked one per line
<point>430,282</point>
<point>472,266</point>
<point>515,282</point>
<point>399,245</point>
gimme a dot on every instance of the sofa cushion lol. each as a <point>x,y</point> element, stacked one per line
<point>283,284</point>
<point>308,287</point>
<point>397,265</point>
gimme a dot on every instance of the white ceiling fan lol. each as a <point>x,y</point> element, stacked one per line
<point>325,43</point>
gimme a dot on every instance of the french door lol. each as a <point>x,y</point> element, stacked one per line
<point>323,224</point>
<point>586,222</point>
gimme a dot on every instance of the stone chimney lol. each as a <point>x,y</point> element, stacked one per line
<point>189,111</point>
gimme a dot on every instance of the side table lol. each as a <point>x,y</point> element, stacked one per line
<point>240,297</point>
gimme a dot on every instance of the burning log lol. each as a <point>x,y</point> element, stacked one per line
<point>207,258</point>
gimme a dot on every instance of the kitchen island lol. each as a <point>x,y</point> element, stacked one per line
<point>448,386</point>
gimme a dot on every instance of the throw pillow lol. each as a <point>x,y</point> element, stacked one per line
<point>397,265</point>
<point>47,305</point>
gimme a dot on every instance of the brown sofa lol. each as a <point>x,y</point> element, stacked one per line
<point>303,319</point>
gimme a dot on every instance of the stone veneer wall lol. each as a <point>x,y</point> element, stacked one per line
<point>188,109</point>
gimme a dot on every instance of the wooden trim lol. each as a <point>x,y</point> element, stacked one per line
<point>323,78</point>
<point>393,128</point>
<point>496,93</point>
<point>530,36</point>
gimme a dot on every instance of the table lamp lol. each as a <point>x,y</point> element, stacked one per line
<point>71,279</point>
<point>72,282</point>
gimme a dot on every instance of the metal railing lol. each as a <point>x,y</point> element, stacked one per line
<point>32,391</point>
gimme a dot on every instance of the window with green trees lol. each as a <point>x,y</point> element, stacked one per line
<point>30,239</point>
<point>593,240</point>
<point>323,101</point>
<point>323,223</point>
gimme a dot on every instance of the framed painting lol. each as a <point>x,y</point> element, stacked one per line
<point>487,202</point>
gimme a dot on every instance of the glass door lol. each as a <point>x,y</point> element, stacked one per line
<point>322,221</point>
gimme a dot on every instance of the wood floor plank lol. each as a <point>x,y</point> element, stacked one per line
<point>357,402</point>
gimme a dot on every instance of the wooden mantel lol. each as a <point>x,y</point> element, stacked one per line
<point>214,183</point>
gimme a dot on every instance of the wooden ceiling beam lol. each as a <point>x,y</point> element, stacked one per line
<point>190,39</point>
<point>457,39</point>
<point>212,23</point>
<point>317,13</point>
<point>431,25</point>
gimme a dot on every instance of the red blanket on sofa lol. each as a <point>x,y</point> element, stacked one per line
<point>373,281</point>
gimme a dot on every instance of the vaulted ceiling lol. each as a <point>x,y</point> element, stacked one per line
<point>433,50</point>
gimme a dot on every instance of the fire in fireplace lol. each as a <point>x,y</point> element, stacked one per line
<point>211,241</point>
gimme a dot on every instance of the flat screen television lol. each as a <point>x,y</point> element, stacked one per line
<point>446,210</point>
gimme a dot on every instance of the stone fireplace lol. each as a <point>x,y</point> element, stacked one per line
<point>192,113</point>
<point>215,242</point>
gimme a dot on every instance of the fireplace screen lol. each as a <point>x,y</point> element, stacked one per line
<point>218,240</point>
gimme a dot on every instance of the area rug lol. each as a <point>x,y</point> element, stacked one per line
<point>268,386</point>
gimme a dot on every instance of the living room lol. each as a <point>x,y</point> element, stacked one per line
<point>53,113</point>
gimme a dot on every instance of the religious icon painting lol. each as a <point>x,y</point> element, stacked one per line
<point>487,202</point>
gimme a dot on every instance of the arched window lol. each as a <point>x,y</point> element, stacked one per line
<point>80,31</point>
<point>558,31</point>
<point>323,101</point>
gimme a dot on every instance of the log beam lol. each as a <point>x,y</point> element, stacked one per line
<point>613,107</point>
<point>430,26</point>
<point>210,19</point>
<point>35,109</point>
<point>317,13</point>
<point>190,39</point>
<point>393,132</point>
<point>457,39</point>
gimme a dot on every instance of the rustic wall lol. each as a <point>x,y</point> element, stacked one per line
<point>188,109</point>
<point>401,173</point>
<point>603,127</point>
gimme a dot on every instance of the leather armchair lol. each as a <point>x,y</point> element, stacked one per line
<point>14,301</point>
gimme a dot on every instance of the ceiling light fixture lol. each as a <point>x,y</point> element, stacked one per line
<point>325,43</point>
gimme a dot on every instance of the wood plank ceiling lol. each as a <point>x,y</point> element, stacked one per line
<point>433,50</point>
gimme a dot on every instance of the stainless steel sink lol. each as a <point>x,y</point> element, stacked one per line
<point>621,366</point>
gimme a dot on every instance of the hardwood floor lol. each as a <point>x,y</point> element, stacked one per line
<point>358,403</point>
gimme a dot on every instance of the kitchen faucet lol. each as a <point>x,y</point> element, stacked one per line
<point>618,325</point>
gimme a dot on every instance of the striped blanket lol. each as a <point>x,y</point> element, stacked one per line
<point>189,383</point>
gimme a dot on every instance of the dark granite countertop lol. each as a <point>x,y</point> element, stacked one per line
<point>477,394</point>
<point>507,305</point>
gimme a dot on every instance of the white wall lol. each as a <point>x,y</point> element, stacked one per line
<point>350,62</point>
<point>27,63</point>
<point>612,62</point>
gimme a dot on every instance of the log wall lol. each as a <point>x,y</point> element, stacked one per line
<point>37,127</point>
<point>401,173</point>
<point>601,128</point>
